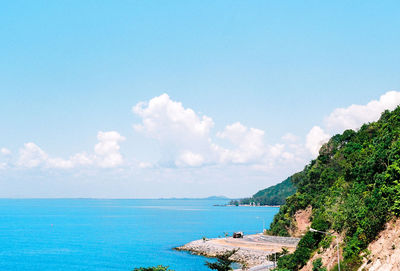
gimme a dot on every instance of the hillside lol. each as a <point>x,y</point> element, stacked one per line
<point>353,190</point>
<point>273,195</point>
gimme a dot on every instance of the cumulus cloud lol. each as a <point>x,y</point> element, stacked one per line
<point>82,159</point>
<point>183,134</point>
<point>289,137</point>
<point>315,139</point>
<point>145,165</point>
<point>186,137</point>
<point>106,154</point>
<point>248,144</point>
<point>5,151</point>
<point>276,150</point>
<point>354,116</point>
<point>165,119</point>
<point>31,155</point>
<point>107,150</point>
<point>187,140</point>
<point>188,158</point>
<point>351,117</point>
<point>59,163</point>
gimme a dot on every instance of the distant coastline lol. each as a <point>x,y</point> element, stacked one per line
<point>245,205</point>
<point>206,198</point>
<point>249,205</point>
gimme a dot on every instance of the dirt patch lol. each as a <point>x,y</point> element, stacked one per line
<point>328,256</point>
<point>302,222</point>
<point>385,250</point>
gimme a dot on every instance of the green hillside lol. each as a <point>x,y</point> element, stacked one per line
<point>273,195</point>
<point>353,187</point>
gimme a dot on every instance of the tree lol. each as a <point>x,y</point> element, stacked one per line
<point>223,263</point>
<point>317,265</point>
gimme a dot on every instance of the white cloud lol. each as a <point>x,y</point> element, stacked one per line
<point>315,139</point>
<point>165,119</point>
<point>106,154</point>
<point>276,150</point>
<point>145,165</point>
<point>248,144</point>
<point>186,140</point>
<point>184,135</point>
<point>5,151</point>
<point>107,150</point>
<point>59,163</point>
<point>188,158</point>
<point>83,159</point>
<point>288,156</point>
<point>354,116</point>
<point>289,137</point>
<point>31,155</point>
<point>351,117</point>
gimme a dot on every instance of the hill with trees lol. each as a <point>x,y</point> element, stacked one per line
<point>273,195</point>
<point>353,188</point>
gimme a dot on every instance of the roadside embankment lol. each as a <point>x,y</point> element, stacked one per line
<point>253,249</point>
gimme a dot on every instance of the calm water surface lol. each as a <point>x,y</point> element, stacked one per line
<point>91,234</point>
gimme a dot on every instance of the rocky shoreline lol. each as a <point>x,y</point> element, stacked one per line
<point>253,250</point>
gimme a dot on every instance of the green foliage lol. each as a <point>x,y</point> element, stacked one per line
<point>155,268</point>
<point>317,265</point>
<point>326,242</point>
<point>273,195</point>
<point>353,187</point>
<point>223,263</point>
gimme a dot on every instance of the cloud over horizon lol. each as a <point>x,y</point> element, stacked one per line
<point>106,155</point>
<point>187,140</point>
<point>351,117</point>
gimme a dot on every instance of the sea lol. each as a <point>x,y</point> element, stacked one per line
<point>115,234</point>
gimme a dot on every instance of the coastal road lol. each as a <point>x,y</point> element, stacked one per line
<point>259,242</point>
<point>254,250</point>
<point>262,267</point>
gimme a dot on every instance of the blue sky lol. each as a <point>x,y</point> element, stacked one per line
<point>72,69</point>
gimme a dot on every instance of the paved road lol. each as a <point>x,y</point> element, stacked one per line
<point>261,267</point>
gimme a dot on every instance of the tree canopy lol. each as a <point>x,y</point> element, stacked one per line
<point>273,195</point>
<point>353,187</point>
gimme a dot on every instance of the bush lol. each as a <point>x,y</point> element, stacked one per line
<point>223,263</point>
<point>317,265</point>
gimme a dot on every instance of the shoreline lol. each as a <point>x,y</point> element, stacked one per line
<point>246,205</point>
<point>249,205</point>
<point>253,249</point>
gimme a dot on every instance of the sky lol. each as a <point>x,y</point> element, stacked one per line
<point>149,99</point>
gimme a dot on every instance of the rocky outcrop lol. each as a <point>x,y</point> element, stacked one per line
<point>302,221</point>
<point>246,256</point>
<point>385,250</point>
<point>328,256</point>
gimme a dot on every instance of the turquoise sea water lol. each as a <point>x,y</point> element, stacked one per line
<point>96,234</point>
